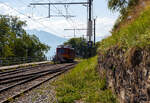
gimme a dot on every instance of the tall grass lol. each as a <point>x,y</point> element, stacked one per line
<point>83,83</point>
<point>135,34</point>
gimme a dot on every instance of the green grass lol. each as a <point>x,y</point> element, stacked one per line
<point>135,34</point>
<point>83,83</point>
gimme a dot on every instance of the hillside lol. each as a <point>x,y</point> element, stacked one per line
<point>124,57</point>
<point>131,14</point>
<point>50,39</point>
<point>121,74</point>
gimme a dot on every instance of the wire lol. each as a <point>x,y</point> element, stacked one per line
<point>32,9</point>
<point>28,17</point>
<point>75,21</point>
<point>61,13</point>
<point>73,24</point>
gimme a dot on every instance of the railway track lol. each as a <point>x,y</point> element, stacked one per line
<point>14,83</point>
<point>21,69</point>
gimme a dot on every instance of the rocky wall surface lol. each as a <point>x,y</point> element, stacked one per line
<point>127,73</point>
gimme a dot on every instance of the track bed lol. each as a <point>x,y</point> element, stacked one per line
<point>15,82</point>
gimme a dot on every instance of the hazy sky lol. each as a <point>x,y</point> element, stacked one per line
<point>36,16</point>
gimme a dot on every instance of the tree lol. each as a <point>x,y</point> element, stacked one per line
<point>117,4</point>
<point>15,42</point>
<point>121,5</point>
<point>5,49</point>
<point>81,47</point>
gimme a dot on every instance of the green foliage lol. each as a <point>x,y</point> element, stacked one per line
<point>123,6</point>
<point>135,34</point>
<point>15,42</point>
<point>117,4</point>
<point>81,47</point>
<point>83,83</point>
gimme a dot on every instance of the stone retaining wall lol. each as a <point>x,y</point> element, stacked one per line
<point>127,73</point>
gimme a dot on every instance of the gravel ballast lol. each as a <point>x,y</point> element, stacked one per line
<point>42,94</point>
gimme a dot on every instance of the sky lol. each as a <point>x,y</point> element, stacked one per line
<point>36,16</point>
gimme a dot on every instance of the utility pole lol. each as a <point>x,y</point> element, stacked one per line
<point>89,31</point>
<point>94,31</point>
<point>90,24</point>
<point>49,10</point>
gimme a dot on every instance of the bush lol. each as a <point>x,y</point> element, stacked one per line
<point>135,34</point>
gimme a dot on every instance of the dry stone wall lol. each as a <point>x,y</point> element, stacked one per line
<point>127,73</point>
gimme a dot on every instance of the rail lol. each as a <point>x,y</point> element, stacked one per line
<point>25,83</point>
<point>20,60</point>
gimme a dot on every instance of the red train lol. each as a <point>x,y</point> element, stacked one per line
<point>64,54</point>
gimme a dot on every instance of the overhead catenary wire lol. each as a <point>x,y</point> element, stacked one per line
<point>21,1</point>
<point>29,17</point>
<point>61,13</point>
<point>74,23</point>
<point>70,21</point>
<point>77,23</point>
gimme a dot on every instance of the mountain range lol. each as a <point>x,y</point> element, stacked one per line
<point>49,39</point>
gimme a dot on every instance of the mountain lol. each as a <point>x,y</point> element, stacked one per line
<point>48,38</point>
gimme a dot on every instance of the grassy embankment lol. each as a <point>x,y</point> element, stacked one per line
<point>83,84</point>
<point>136,34</point>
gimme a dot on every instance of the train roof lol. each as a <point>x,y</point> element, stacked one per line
<point>64,46</point>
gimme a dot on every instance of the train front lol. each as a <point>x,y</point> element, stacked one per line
<point>65,54</point>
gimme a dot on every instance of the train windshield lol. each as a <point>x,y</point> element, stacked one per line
<point>61,51</point>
